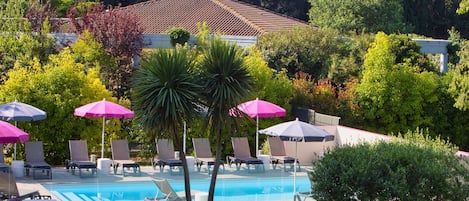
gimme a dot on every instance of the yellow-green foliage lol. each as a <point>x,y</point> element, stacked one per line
<point>459,85</point>
<point>268,84</point>
<point>274,86</point>
<point>463,7</point>
<point>393,95</point>
<point>58,87</point>
<point>89,51</point>
<point>17,42</point>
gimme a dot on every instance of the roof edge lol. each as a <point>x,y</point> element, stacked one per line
<point>238,15</point>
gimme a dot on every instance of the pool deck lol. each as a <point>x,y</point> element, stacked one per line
<point>61,176</point>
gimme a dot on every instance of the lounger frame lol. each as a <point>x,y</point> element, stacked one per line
<point>242,155</point>
<point>121,158</point>
<point>35,162</point>
<point>278,155</point>
<point>165,149</point>
<point>203,155</point>
<point>79,159</point>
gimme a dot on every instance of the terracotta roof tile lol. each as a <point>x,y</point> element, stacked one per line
<point>228,17</point>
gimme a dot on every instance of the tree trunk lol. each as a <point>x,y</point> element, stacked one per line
<point>182,157</point>
<point>211,191</point>
<point>187,184</point>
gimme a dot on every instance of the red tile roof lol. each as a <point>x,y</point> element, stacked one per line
<point>227,17</point>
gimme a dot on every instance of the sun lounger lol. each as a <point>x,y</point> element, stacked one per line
<point>35,162</point>
<point>121,157</point>
<point>242,154</point>
<point>9,190</point>
<point>3,166</point>
<point>203,154</point>
<point>278,154</point>
<point>165,149</point>
<point>307,194</point>
<point>167,192</point>
<point>79,158</point>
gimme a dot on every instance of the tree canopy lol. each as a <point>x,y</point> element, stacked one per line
<point>366,15</point>
<point>459,86</point>
<point>57,87</point>
<point>393,92</point>
<point>121,36</point>
<point>18,42</point>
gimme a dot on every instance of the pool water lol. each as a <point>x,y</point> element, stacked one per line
<point>253,189</point>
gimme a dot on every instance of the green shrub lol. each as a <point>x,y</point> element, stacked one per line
<point>178,36</point>
<point>414,169</point>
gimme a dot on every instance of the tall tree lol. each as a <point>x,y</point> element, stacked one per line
<point>459,86</point>
<point>38,13</point>
<point>57,87</point>
<point>226,84</point>
<point>165,94</point>
<point>433,18</point>
<point>120,33</point>
<point>395,93</point>
<point>366,15</point>
<point>321,52</point>
<point>20,48</point>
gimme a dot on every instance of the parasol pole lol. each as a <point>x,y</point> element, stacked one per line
<point>184,137</point>
<point>257,135</point>
<point>257,128</point>
<point>102,138</point>
<point>294,166</point>
<point>14,150</point>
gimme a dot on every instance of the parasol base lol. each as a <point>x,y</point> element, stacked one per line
<point>104,166</point>
<point>265,159</point>
<point>17,168</point>
<point>190,163</point>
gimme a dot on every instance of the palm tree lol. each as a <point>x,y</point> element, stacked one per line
<point>165,92</point>
<point>226,83</point>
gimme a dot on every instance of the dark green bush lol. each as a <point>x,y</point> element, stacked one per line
<point>400,170</point>
<point>178,36</point>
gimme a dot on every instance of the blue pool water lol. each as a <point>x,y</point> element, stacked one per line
<point>253,189</point>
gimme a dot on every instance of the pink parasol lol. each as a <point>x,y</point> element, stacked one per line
<point>260,109</point>
<point>103,109</point>
<point>11,134</point>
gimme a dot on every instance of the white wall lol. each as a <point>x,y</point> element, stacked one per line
<point>310,151</point>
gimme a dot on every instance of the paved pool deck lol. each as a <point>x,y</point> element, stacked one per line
<point>61,176</point>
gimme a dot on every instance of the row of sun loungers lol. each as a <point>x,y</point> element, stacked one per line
<point>242,155</point>
<point>79,159</point>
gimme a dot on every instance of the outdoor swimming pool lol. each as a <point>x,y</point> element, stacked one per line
<point>253,189</point>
